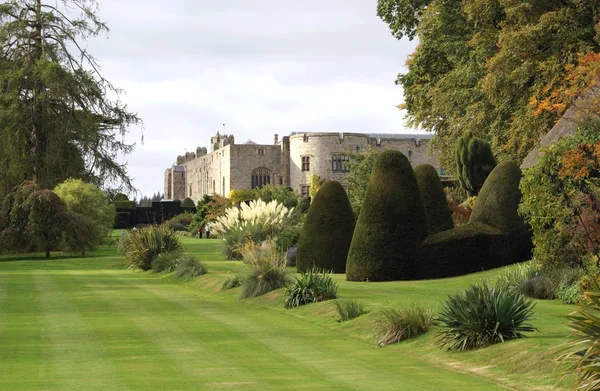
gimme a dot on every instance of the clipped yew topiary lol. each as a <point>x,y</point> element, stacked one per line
<point>327,231</point>
<point>391,225</point>
<point>497,206</point>
<point>439,217</point>
<point>188,203</point>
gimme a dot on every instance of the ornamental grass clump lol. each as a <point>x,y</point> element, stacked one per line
<point>232,281</point>
<point>349,309</point>
<point>395,325</point>
<point>141,247</point>
<point>312,286</point>
<point>484,315</point>
<point>267,270</point>
<point>166,262</point>
<point>190,268</point>
<point>254,222</point>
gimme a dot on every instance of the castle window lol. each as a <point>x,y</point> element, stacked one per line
<point>305,163</point>
<point>260,177</point>
<point>305,138</point>
<point>339,162</point>
<point>261,151</point>
<point>304,190</point>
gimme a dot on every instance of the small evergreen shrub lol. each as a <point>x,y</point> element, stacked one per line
<point>232,282</point>
<point>474,162</point>
<point>290,256</point>
<point>349,309</point>
<point>190,268</point>
<point>267,270</point>
<point>166,262</point>
<point>584,348</point>
<point>484,315</point>
<point>570,294</point>
<point>540,287</point>
<point>391,225</point>
<point>288,238</point>
<point>311,287</point>
<point>439,216</point>
<point>178,227</point>
<point>188,203</point>
<point>395,325</point>
<point>497,206</point>
<point>327,231</point>
<point>514,276</point>
<point>142,246</point>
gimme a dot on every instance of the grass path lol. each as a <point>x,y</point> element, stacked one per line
<point>87,324</point>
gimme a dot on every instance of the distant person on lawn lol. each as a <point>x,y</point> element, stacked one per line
<point>207,230</point>
<point>200,232</point>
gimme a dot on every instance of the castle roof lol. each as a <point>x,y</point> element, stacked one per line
<point>249,142</point>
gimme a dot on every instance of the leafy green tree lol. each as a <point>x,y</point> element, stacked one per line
<point>92,203</point>
<point>360,166</point>
<point>315,184</point>
<point>33,219</point>
<point>491,65</point>
<point>56,120</point>
<point>474,162</point>
<point>281,194</point>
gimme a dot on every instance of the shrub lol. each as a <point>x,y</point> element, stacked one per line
<point>465,249</point>
<point>290,256</point>
<point>267,270</point>
<point>497,206</point>
<point>283,195</point>
<point>190,268</point>
<point>188,203</point>
<point>143,246</point>
<point>232,282</point>
<point>516,275</point>
<point>349,309</point>
<point>439,217</point>
<point>570,294</point>
<point>391,225</point>
<point>288,238</point>
<point>178,227</point>
<point>483,315</point>
<point>474,162</point>
<point>311,287</point>
<point>395,325</point>
<point>238,196</point>
<point>166,262</point>
<point>303,205</point>
<point>584,354</point>
<point>539,287</point>
<point>327,231</point>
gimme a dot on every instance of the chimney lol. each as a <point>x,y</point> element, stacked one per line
<point>275,139</point>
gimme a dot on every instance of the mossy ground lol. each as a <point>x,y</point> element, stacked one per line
<point>88,323</point>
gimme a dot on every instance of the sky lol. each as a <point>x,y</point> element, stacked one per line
<point>260,67</point>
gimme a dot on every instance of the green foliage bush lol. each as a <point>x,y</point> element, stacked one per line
<point>583,353</point>
<point>120,197</point>
<point>166,262</point>
<point>439,217</point>
<point>391,225</point>
<point>474,162</point>
<point>327,231</point>
<point>190,268</point>
<point>281,194</point>
<point>242,195</point>
<point>303,205</point>
<point>497,206</point>
<point>349,309</point>
<point>465,249</point>
<point>360,165</point>
<point>312,286</point>
<point>288,238</point>
<point>188,203</point>
<point>178,227</point>
<point>483,315</point>
<point>560,196</point>
<point>290,256</point>
<point>539,287</point>
<point>395,325</point>
<point>232,282</point>
<point>267,270</point>
<point>142,246</point>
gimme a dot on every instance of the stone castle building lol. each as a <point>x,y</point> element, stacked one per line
<point>290,161</point>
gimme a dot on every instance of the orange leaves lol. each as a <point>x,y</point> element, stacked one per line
<point>580,162</point>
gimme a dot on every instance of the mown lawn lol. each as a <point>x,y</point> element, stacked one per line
<point>88,323</point>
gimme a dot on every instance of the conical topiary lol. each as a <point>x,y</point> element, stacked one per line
<point>439,216</point>
<point>497,206</point>
<point>327,231</point>
<point>391,225</point>
<point>474,162</point>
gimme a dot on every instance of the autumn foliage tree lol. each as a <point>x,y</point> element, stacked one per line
<point>505,68</point>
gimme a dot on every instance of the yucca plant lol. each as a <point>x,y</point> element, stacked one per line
<point>267,270</point>
<point>144,245</point>
<point>584,348</point>
<point>190,268</point>
<point>398,324</point>
<point>484,315</point>
<point>311,287</point>
<point>349,309</point>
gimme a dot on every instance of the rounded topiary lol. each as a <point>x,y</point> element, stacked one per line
<point>497,205</point>
<point>439,216</point>
<point>327,231</point>
<point>391,225</point>
<point>474,162</point>
<point>120,197</point>
<point>188,203</point>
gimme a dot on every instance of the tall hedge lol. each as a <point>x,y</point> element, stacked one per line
<point>497,206</point>
<point>188,203</point>
<point>391,225</point>
<point>439,216</point>
<point>327,231</point>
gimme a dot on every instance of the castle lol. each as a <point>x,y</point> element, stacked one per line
<point>290,162</point>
